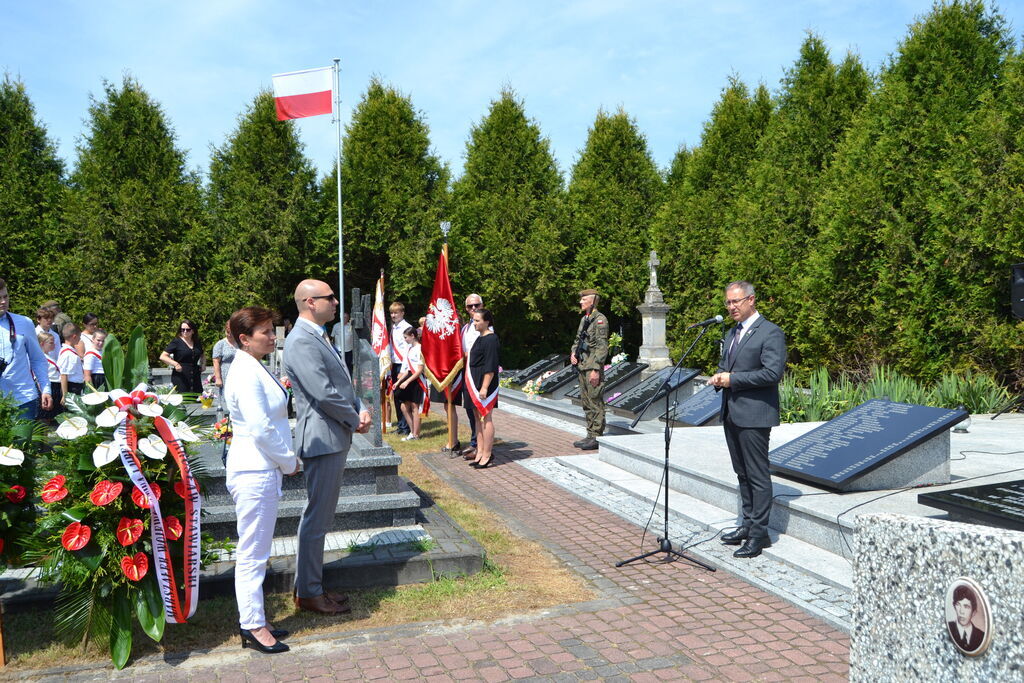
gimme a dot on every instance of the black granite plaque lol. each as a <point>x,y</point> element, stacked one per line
<point>615,375</point>
<point>634,399</point>
<point>999,505</point>
<point>552,362</point>
<point>559,379</point>
<point>699,409</point>
<point>859,441</point>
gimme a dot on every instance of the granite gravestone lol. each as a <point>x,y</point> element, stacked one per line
<point>632,401</point>
<point>553,362</point>
<point>999,505</point>
<point>558,384</point>
<point>877,445</point>
<point>700,409</point>
<point>617,376</point>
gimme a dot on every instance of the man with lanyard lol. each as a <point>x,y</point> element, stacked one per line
<point>398,351</point>
<point>589,354</point>
<point>23,369</point>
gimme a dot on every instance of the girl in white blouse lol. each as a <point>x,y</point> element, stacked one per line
<point>259,455</point>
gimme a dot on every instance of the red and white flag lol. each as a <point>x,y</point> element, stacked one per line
<point>379,330</point>
<point>442,335</point>
<point>303,93</point>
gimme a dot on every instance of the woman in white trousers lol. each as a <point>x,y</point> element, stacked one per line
<point>259,455</point>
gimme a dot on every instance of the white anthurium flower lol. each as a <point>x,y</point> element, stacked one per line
<point>151,409</point>
<point>184,432</point>
<point>108,417</point>
<point>171,399</point>
<point>104,454</point>
<point>9,455</point>
<point>153,447</point>
<point>95,398</point>
<point>73,427</point>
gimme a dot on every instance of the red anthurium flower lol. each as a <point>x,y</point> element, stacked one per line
<point>54,489</point>
<point>179,488</point>
<point>135,567</point>
<point>128,530</point>
<point>140,499</point>
<point>173,528</point>
<point>105,491</point>
<point>16,494</point>
<point>76,536</point>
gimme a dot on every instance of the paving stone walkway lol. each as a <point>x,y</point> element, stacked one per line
<point>650,621</point>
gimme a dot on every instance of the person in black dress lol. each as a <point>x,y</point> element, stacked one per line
<point>483,384</point>
<point>184,355</point>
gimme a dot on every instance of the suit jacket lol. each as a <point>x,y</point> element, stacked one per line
<point>977,636</point>
<point>756,367</point>
<point>326,406</point>
<point>258,405</point>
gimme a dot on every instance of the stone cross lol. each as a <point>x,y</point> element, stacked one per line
<point>653,263</point>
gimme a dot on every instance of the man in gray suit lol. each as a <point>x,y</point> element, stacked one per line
<point>327,413</point>
<point>752,363</point>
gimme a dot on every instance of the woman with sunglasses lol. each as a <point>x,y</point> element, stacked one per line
<point>184,355</point>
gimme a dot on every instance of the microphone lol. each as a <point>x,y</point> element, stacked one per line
<point>704,323</point>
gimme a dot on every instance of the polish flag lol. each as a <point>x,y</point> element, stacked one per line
<point>442,335</point>
<point>303,93</point>
<point>379,330</point>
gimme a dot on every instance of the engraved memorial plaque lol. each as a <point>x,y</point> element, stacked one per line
<point>859,441</point>
<point>699,409</point>
<point>613,376</point>
<point>552,362</point>
<point>559,379</point>
<point>634,399</point>
<point>999,505</point>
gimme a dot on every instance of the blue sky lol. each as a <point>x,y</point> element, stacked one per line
<point>664,62</point>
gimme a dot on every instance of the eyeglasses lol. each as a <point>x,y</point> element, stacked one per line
<point>473,305</point>
<point>323,296</point>
<point>736,302</point>
<point>186,329</point>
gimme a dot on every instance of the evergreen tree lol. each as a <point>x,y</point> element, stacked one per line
<point>131,211</point>
<point>263,204</point>
<point>878,294</point>
<point>612,198</point>
<point>393,192</point>
<point>505,242</point>
<point>677,171</point>
<point>31,192</point>
<point>771,232</point>
<point>688,230</point>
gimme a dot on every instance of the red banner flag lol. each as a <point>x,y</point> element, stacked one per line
<point>442,334</point>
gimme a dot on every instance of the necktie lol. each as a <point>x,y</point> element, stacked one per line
<point>735,340</point>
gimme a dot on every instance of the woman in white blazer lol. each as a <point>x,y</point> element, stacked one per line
<point>260,454</point>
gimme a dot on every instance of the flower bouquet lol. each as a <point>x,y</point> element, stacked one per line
<point>120,520</point>
<point>18,439</point>
<point>209,392</point>
<point>222,430</point>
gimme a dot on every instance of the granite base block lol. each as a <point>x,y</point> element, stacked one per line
<point>903,567</point>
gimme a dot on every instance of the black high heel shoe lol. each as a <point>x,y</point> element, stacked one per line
<point>249,640</point>
<point>279,633</point>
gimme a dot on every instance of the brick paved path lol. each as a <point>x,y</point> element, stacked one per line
<point>650,622</point>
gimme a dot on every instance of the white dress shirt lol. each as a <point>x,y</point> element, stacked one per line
<point>258,405</point>
<point>26,361</point>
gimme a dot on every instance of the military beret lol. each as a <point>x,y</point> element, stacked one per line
<point>588,292</point>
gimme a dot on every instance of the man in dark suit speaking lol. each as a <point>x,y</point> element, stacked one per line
<point>753,360</point>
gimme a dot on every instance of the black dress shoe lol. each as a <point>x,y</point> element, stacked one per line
<point>753,547</point>
<point>736,537</point>
<point>249,640</point>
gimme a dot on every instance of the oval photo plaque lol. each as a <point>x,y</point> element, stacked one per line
<point>968,616</point>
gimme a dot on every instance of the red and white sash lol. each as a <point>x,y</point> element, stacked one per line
<point>176,610</point>
<point>407,367</point>
<point>483,403</point>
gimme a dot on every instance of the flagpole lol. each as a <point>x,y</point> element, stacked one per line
<point>341,245</point>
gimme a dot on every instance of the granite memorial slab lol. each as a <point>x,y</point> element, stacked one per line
<point>877,445</point>
<point>560,383</point>
<point>630,402</point>
<point>618,378</point>
<point>700,409</point>
<point>998,505</point>
<point>554,361</point>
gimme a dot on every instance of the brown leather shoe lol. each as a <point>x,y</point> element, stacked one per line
<point>338,598</point>
<point>322,604</point>
<point>469,453</point>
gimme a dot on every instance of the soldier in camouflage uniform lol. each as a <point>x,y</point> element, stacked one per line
<point>589,354</point>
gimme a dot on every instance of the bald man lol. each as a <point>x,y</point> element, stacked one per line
<point>327,413</point>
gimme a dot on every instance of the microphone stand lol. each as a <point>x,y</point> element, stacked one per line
<point>664,544</point>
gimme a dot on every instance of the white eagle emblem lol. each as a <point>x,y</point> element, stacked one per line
<point>441,318</point>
